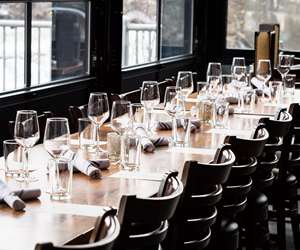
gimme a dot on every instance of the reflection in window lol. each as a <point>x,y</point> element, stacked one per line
<point>176,29</point>
<point>59,41</point>
<point>244,17</point>
<point>11,46</point>
<point>139,32</point>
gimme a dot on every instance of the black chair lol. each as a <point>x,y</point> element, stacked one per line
<point>144,221</point>
<point>255,218</point>
<point>238,186</point>
<point>42,118</point>
<point>283,194</point>
<point>105,233</point>
<point>196,213</point>
<point>76,112</point>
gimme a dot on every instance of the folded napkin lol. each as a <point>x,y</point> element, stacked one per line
<point>149,144</point>
<point>91,168</point>
<point>195,124</point>
<point>15,199</point>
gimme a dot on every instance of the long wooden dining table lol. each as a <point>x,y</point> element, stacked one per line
<point>45,220</point>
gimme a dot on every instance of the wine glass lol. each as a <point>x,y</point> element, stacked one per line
<point>149,98</point>
<point>173,102</point>
<point>174,105</point>
<point>57,137</point>
<point>214,78</point>
<point>237,61</point>
<point>98,113</point>
<point>120,116</point>
<point>240,82</point>
<point>283,66</point>
<point>27,134</point>
<point>185,82</point>
<point>264,73</point>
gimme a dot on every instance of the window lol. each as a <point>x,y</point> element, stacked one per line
<point>143,42</point>
<point>54,33</point>
<point>244,17</point>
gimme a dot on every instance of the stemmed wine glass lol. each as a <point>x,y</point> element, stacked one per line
<point>57,137</point>
<point>240,82</point>
<point>185,82</point>
<point>283,67</point>
<point>120,116</point>
<point>27,134</point>
<point>98,113</point>
<point>149,98</point>
<point>174,105</point>
<point>264,73</point>
<point>237,61</point>
<point>214,78</point>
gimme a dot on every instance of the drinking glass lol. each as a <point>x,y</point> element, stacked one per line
<point>283,66</point>
<point>27,134</point>
<point>86,134</point>
<point>120,116</point>
<point>221,113</point>
<point>290,84</point>
<point>60,178</point>
<point>240,82</point>
<point>264,73</point>
<point>13,157</point>
<point>174,105</point>
<point>149,98</point>
<point>137,114</point>
<point>214,78</point>
<point>98,113</point>
<point>185,82</point>
<point>227,80</point>
<point>182,130</point>
<point>114,146</point>
<point>276,91</point>
<point>237,61</point>
<point>202,88</point>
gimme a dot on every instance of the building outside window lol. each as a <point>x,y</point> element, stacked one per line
<point>58,44</point>
<point>244,17</point>
<point>143,42</point>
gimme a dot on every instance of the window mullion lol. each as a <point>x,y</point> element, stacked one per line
<point>27,37</point>
<point>159,10</point>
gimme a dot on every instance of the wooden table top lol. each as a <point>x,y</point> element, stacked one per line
<point>45,220</point>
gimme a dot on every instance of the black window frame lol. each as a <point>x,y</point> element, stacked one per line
<point>30,90</point>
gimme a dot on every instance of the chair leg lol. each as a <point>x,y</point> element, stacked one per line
<point>281,227</point>
<point>296,231</point>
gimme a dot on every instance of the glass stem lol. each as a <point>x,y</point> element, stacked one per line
<point>96,138</point>
<point>174,129</point>
<point>148,124</point>
<point>26,166</point>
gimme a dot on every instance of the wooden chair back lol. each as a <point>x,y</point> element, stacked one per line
<point>144,220</point>
<point>76,112</point>
<point>105,233</point>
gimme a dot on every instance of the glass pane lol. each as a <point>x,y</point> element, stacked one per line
<point>11,46</point>
<point>244,17</point>
<point>139,32</point>
<point>176,29</point>
<point>59,41</point>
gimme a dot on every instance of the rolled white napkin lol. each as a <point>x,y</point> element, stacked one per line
<point>149,144</point>
<point>14,199</point>
<point>91,168</point>
<point>167,125</point>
